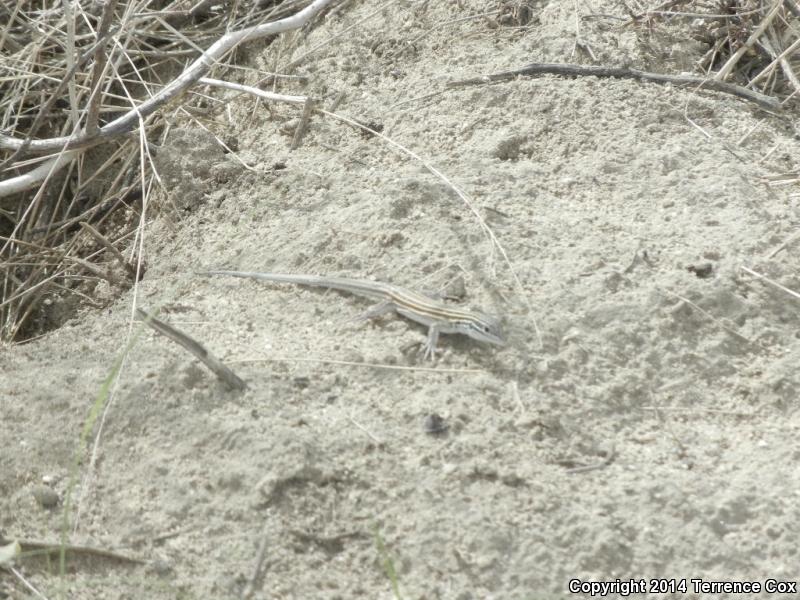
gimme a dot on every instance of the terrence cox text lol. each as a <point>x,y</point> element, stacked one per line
<point>628,587</point>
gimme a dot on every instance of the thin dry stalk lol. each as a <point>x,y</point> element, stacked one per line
<point>98,71</point>
<point>300,131</point>
<point>772,282</point>
<point>103,241</point>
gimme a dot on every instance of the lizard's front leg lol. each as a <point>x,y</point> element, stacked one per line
<point>430,343</point>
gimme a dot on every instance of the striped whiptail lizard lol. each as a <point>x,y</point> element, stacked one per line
<point>437,316</point>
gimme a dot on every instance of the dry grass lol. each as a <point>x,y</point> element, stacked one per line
<point>753,43</point>
<point>69,70</point>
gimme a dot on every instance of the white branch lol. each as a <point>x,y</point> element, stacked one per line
<point>253,90</point>
<point>40,173</point>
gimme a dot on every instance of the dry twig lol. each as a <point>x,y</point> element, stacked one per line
<point>200,352</point>
<point>569,70</point>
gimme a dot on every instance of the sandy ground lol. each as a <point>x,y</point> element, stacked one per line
<point>649,431</point>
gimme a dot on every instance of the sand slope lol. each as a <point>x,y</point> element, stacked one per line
<point>680,388</point>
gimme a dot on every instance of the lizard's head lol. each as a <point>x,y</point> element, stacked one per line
<point>486,328</point>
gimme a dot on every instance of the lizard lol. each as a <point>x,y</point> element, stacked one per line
<point>436,316</point>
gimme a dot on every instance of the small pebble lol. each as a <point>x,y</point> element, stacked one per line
<point>434,424</point>
<point>45,496</point>
<point>161,567</point>
<point>703,270</point>
<point>301,382</point>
